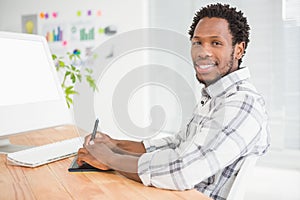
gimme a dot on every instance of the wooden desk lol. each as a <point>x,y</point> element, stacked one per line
<point>53,181</point>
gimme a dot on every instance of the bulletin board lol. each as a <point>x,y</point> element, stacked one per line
<point>83,31</point>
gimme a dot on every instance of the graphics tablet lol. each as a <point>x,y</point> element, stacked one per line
<point>74,167</point>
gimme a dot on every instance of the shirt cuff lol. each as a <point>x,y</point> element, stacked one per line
<point>147,145</point>
<point>144,170</point>
<point>153,145</point>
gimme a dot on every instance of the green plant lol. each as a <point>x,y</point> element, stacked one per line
<point>72,73</point>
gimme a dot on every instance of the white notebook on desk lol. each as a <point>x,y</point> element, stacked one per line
<point>45,154</point>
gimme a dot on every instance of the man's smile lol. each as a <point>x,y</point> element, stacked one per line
<point>204,66</point>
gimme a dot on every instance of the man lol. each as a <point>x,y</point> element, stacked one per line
<point>228,125</point>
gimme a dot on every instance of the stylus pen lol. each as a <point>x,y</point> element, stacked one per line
<point>95,130</point>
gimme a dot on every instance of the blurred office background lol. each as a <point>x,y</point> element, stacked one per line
<point>272,56</point>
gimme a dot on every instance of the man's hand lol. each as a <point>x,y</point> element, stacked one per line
<point>100,137</point>
<point>105,154</point>
<point>117,146</point>
<point>97,155</point>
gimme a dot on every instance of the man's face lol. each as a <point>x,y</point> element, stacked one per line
<point>212,51</point>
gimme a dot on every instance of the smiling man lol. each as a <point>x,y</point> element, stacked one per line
<point>212,51</point>
<point>229,124</point>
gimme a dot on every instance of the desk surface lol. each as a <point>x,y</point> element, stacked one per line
<point>53,181</point>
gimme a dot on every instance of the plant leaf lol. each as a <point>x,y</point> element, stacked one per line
<point>79,76</point>
<point>70,90</point>
<point>69,101</point>
<point>61,63</point>
<point>73,67</point>
<point>90,71</point>
<point>54,57</point>
<point>91,82</point>
<point>67,73</point>
<point>73,77</point>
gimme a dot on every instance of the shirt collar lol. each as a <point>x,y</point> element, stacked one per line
<point>222,85</point>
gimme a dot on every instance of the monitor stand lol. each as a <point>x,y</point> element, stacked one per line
<point>6,147</point>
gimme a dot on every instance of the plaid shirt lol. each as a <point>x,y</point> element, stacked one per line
<point>228,125</point>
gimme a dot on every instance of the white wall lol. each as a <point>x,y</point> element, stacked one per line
<point>123,13</point>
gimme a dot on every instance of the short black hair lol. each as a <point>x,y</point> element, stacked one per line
<point>238,25</point>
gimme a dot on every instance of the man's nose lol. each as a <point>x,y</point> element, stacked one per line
<point>204,52</point>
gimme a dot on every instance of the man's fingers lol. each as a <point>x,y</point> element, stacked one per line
<point>92,155</point>
<point>99,136</point>
<point>87,139</point>
<point>82,151</point>
<point>81,155</point>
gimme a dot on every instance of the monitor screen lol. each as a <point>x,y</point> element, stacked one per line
<point>25,73</point>
<point>31,95</point>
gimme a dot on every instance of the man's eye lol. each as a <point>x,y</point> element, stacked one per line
<point>196,43</point>
<point>216,43</point>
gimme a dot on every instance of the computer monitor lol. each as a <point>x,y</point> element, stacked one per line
<point>31,97</point>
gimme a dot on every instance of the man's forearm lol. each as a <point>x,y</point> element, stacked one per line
<point>130,146</point>
<point>127,165</point>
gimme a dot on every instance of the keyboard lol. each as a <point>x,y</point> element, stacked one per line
<point>45,154</point>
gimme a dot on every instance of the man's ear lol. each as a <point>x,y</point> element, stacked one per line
<point>239,50</point>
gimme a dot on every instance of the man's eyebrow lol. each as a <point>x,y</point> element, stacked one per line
<point>213,37</point>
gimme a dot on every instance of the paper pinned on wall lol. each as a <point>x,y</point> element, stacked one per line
<point>29,24</point>
<point>290,10</point>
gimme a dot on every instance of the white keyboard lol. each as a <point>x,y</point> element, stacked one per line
<point>44,154</point>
